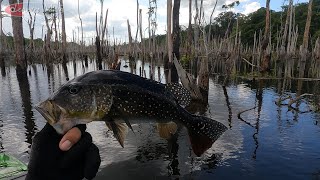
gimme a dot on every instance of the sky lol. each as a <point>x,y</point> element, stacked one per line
<point>118,13</point>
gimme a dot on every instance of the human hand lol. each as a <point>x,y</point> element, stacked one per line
<point>71,157</point>
<point>71,137</point>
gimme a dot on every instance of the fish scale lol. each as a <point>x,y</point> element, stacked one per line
<point>132,103</point>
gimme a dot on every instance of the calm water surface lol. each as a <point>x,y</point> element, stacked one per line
<point>272,143</point>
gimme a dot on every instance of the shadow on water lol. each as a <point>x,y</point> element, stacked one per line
<point>36,81</point>
<point>2,66</point>
<point>173,148</point>
<point>1,132</point>
<point>259,98</point>
<point>50,77</point>
<point>26,105</point>
<point>75,68</point>
<point>225,92</point>
<point>65,71</point>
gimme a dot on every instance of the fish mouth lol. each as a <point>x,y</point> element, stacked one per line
<point>58,117</point>
<point>53,113</point>
<point>46,109</point>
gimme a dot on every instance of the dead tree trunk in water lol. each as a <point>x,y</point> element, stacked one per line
<point>284,39</point>
<point>1,32</point>
<point>31,23</point>
<point>98,48</point>
<point>142,46</point>
<point>130,54</point>
<point>149,28</point>
<point>210,23</point>
<point>137,31</point>
<point>307,27</point>
<point>176,39</point>
<point>104,32</point>
<point>18,41</point>
<point>189,43</point>
<point>196,30</point>
<point>304,48</point>
<point>289,60</point>
<point>2,63</point>
<point>63,34</point>
<point>188,81</point>
<point>203,77</point>
<point>265,64</point>
<point>101,31</point>
<point>82,42</point>
<point>169,37</point>
<point>99,58</point>
<point>47,54</point>
<point>316,59</point>
<point>56,39</point>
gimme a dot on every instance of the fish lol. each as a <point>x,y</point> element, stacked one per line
<point>119,99</point>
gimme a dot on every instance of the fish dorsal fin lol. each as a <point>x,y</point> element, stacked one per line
<point>166,130</point>
<point>120,130</point>
<point>181,94</point>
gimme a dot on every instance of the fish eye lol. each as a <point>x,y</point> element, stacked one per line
<point>74,89</point>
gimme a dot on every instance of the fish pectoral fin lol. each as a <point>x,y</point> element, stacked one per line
<point>129,124</point>
<point>120,130</point>
<point>166,130</point>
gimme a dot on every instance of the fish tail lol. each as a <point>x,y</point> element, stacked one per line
<point>203,132</point>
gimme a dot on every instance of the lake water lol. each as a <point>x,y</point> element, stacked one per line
<point>269,143</point>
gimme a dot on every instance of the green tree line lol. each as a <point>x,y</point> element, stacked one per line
<point>255,22</point>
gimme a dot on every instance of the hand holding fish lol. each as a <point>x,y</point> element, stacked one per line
<point>70,138</point>
<point>72,156</point>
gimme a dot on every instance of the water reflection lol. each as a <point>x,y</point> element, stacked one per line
<point>228,105</point>
<point>173,146</point>
<point>75,68</point>
<point>2,66</point>
<point>269,142</point>
<point>24,88</point>
<point>65,70</point>
<point>1,126</point>
<point>49,68</point>
<point>259,96</point>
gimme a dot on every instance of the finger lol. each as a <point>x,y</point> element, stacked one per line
<point>70,138</point>
<point>92,162</point>
<point>78,151</point>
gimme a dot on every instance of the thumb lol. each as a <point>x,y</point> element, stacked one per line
<point>69,139</point>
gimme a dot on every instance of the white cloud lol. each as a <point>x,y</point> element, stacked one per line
<point>251,7</point>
